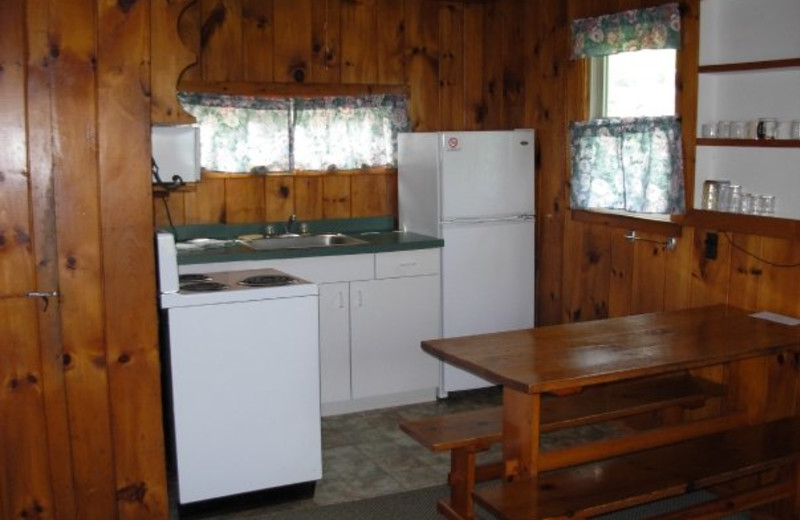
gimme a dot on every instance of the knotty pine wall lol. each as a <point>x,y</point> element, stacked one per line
<point>471,65</point>
<point>459,62</point>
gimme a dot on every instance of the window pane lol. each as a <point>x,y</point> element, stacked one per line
<point>641,83</point>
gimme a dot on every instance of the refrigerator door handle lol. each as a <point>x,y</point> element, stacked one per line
<point>487,220</point>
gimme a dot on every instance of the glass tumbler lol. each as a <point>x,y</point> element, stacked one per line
<point>736,198</point>
<point>748,203</point>
<point>724,200</point>
<point>765,205</point>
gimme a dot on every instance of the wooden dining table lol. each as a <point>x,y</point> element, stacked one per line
<point>566,359</point>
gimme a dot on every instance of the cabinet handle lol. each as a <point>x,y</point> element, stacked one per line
<point>408,264</point>
<point>341,300</point>
<point>360,299</point>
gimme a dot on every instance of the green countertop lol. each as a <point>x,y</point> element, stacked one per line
<point>376,232</point>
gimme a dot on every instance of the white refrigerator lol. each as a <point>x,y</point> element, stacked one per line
<point>475,190</point>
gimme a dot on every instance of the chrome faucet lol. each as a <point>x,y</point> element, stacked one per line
<point>290,223</point>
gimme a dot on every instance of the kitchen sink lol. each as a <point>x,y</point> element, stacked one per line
<point>302,241</point>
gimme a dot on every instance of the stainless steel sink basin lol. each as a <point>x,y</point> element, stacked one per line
<point>301,241</point>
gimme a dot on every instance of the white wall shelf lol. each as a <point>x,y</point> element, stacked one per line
<point>750,69</point>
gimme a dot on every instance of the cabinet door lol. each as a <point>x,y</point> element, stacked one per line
<point>334,341</point>
<point>389,319</point>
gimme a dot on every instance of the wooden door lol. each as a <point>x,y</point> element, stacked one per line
<point>80,404</point>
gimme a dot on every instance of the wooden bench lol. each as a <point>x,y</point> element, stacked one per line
<point>465,434</point>
<point>760,460</point>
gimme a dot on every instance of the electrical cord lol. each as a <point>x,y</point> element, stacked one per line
<point>168,187</point>
<point>164,199</point>
<point>753,255</point>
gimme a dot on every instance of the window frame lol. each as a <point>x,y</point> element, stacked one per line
<point>686,66</point>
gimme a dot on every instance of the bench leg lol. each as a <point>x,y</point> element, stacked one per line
<point>462,484</point>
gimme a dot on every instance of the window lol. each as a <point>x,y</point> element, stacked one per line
<point>632,84</point>
<point>628,156</point>
<point>262,135</point>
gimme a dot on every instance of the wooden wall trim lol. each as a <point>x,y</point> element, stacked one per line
<point>629,222</point>
<point>241,88</point>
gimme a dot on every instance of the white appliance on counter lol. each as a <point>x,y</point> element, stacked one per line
<point>476,191</point>
<point>242,356</point>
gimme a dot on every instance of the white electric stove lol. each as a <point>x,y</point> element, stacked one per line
<point>243,358</point>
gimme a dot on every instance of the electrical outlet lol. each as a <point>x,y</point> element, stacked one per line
<point>711,245</point>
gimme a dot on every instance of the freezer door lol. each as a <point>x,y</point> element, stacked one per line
<point>487,284</point>
<point>487,174</point>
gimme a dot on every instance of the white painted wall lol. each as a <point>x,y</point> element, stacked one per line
<point>742,31</point>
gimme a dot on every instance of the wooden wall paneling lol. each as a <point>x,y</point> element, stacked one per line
<point>208,204</point>
<point>595,273</point>
<point>710,278</point>
<point>169,209</point>
<point>359,38</point>
<point>292,61</point>
<point>129,275</point>
<point>391,37</point>
<point>25,480</point>
<point>257,40</point>
<point>368,192</point>
<point>278,197</point>
<point>513,84</point>
<point>621,283</point>
<point>570,289</point>
<point>546,110</point>
<point>422,63</point>
<point>326,41</point>
<point>391,195</point>
<point>244,200</point>
<point>647,281</point>
<point>42,196</point>
<point>336,196</point>
<point>221,39</point>
<point>189,32</point>
<point>308,201</point>
<point>451,81</point>
<point>170,57</point>
<point>80,264</point>
<point>677,275</point>
<point>494,43</point>
<point>780,286</point>
<point>474,100</point>
<point>745,278</point>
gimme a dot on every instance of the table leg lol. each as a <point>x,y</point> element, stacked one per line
<point>521,418</point>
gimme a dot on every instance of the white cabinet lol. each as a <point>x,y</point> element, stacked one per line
<point>389,320</point>
<point>374,310</point>
<point>334,341</point>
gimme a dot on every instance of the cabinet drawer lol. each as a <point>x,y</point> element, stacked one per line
<point>407,263</point>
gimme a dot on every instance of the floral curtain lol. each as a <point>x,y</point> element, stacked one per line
<point>631,164</point>
<point>347,133</point>
<point>250,134</point>
<point>650,28</point>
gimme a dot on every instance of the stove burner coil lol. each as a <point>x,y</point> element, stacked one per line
<point>267,280</point>
<point>188,278</point>
<point>203,286</point>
